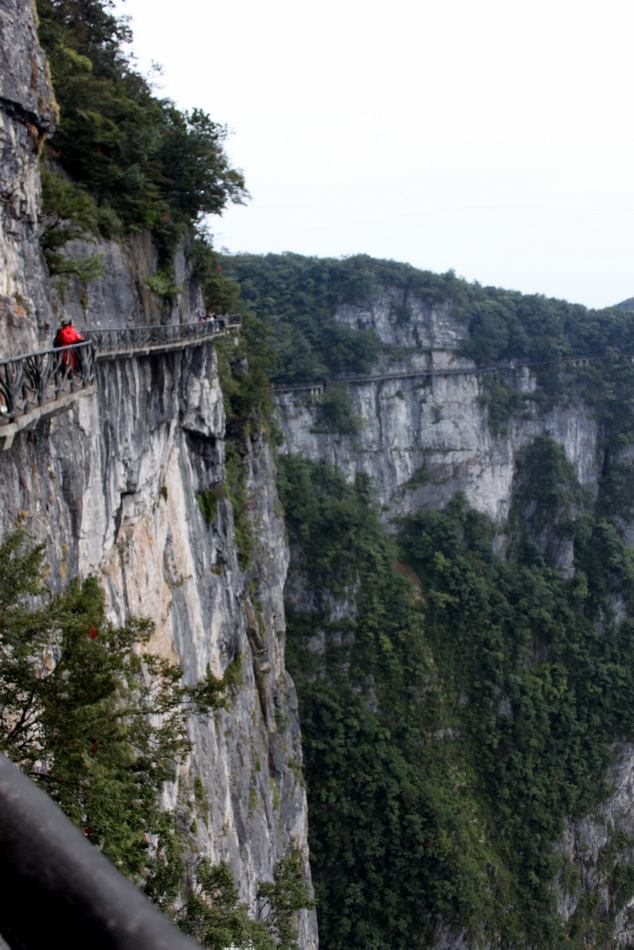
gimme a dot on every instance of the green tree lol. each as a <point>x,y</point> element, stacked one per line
<point>214,916</point>
<point>282,898</point>
<point>196,176</point>
<point>145,164</point>
<point>101,726</point>
<point>97,724</point>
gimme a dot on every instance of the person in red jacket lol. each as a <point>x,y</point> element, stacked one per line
<point>66,335</point>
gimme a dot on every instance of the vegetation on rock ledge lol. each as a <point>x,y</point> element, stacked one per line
<point>136,162</point>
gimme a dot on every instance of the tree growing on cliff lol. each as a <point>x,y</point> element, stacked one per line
<point>144,163</point>
<point>98,725</point>
<point>214,916</point>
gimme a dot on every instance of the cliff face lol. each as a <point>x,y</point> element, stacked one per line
<point>425,436</point>
<point>112,483</point>
<point>120,296</point>
<point>27,114</point>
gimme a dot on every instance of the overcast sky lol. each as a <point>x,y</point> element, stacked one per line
<point>492,138</point>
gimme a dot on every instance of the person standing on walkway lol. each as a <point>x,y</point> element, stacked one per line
<point>66,335</point>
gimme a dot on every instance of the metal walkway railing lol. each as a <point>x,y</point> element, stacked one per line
<point>57,888</point>
<point>28,382</point>
<point>33,381</point>
<point>130,340</point>
<point>506,368</point>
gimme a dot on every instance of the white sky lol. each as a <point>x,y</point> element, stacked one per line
<point>490,137</point>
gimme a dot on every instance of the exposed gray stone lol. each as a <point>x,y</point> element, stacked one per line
<point>111,483</point>
<point>439,426</point>
<point>121,296</point>
<point>27,112</point>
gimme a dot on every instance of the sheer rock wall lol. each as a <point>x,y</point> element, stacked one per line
<point>424,438</point>
<point>120,296</point>
<point>111,483</point>
<point>27,115</point>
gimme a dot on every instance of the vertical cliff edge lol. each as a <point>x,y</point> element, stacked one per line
<point>112,484</point>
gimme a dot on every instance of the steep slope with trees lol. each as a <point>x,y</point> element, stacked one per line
<point>465,677</point>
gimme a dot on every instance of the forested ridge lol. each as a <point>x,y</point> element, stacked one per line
<point>297,298</point>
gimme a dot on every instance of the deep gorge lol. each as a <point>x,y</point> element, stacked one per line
<point>434,546</point>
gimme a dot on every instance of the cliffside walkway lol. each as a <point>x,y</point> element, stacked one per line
<point>139,341</point>
<point>507,368</point>
<point>39,384</point>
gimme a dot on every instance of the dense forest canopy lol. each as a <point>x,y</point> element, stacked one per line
<point>134,161</point>
<point>297,298</point>
<point>462,707</point>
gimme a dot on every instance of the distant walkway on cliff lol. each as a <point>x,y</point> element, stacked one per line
<point>43,383</point>
<point>508,368</point>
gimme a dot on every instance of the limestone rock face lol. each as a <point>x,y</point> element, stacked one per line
<point>24,82</point>
<point>404,321</point>
<point>113,482</point>
<point>27,115</point>
<point>121,296</point>
<point>424,437</point>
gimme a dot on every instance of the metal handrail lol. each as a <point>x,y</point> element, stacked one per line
<point>76,897</point>
<point>33,379</point>
<point>116,339</point>
<point>506,366</point>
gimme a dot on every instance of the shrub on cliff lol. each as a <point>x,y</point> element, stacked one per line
<point>214,916</point>
<point>100,727</point>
